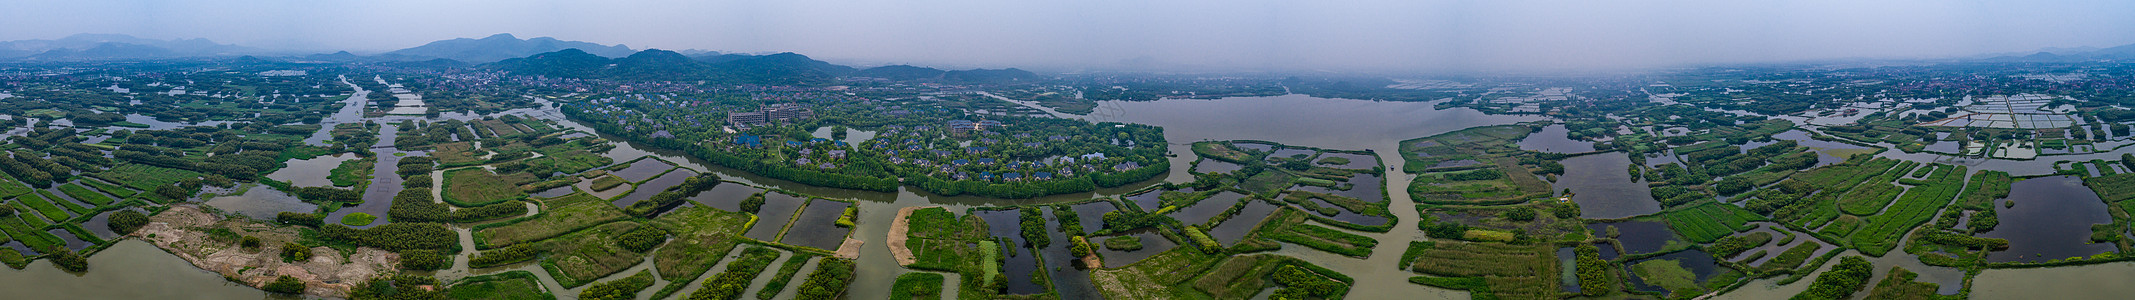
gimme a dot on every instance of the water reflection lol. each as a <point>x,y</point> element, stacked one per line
<point>1603,187</point>
<point>311,172</point>
<point>261,202</point>
<point>130,269</point>
<point>817,226</point>
<point>1638,236</point>
<point>1554,138</point>
<point>2051,220</point>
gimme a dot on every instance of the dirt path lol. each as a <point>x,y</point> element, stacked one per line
<point>850,249</point>
<point>899,232</point>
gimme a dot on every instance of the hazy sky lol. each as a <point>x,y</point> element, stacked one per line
<point>1099,34</point>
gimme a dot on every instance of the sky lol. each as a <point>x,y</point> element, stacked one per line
<point>1236,35</point>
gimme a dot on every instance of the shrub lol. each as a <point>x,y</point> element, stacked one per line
<point>1593,272</point>
<point>67,260</point>
<point>829,280</point>
<point>299,219</point>
<point>489,212</point>
<point>358,219</point>
<point>642,239</point>
<point>399,287</point>
<point>249,242</point>
<point>415,205</point>
<point>753,204</point>
<point>418,181</point>
<point>515,253</point>
<point>1849,276</point>
<point>1311,283</point>
<point>293,252</point>
<point>1519,215</point>
<point>1033,228</point>
<point>126,221</point>
<point>284,285</point>
<point>394,236</point>
<point>619,289</point>
<point>424,260</point>
<point>1124,243</point>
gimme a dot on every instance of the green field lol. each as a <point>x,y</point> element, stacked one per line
<point>85,195</point>
<point>607,182</point>
<point>1708,221</point>
<point>1157,277</point>
<point>1667,274</point>
<point>1881,232</point>
<point>473,187</point>
<point>917,285</point>
<point>43,207</point>
<point>1511,272</point>
<point>145,177</point>
<point>512,285</point>
<point>1288,225</point>
<point>114,190</point>
<point>558,216</point>
<point>580,257</point>
<point>10,188</point>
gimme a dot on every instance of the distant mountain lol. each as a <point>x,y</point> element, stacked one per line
<point>900,73</point>
<point>1009,75</point>
<point>116,46</point>
<point>505,46</point>
<point>2118,53</point>
<point>655,64</point>
<point>567,63</point>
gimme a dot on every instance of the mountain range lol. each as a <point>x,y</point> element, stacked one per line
<point>656,64</point>
<point>116,46</point>
<point>2117,53</point>
<point>504,46</point>
<point>536,56</point>
<point>772,69</point>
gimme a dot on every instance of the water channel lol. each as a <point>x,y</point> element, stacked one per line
<point>1332,124</point>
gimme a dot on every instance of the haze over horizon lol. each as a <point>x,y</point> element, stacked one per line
<point>1375,36</point>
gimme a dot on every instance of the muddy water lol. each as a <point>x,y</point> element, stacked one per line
<point>1356,161</point>
<point>1092,215</point>
<point>553,193</point>
<point>726,196</point>
<point>128,270</point>
<point>1638,236</point>
<point>1291,153</point>
<point>2100,281</point>
<point>2051,220</point>
<point>1349,216</point>
<point>1568,270</point>
<point>1202,211</point>
<point>261,202</point>
<point>1697,262</point>
<point>654,187</point>
<point>1603,188</point>
<point>385,182</point>
<point>1553,138</point>
<point>1152,243</point>
<point>1070,278</point>
<point>818,226</point>
<point>311,172</point>
<point>1238,225</point>
<point>1361,186</point>
<point>1215,166</point>
<point>778,210</point>
<point>643,169</point>
<point>1022,262</point>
